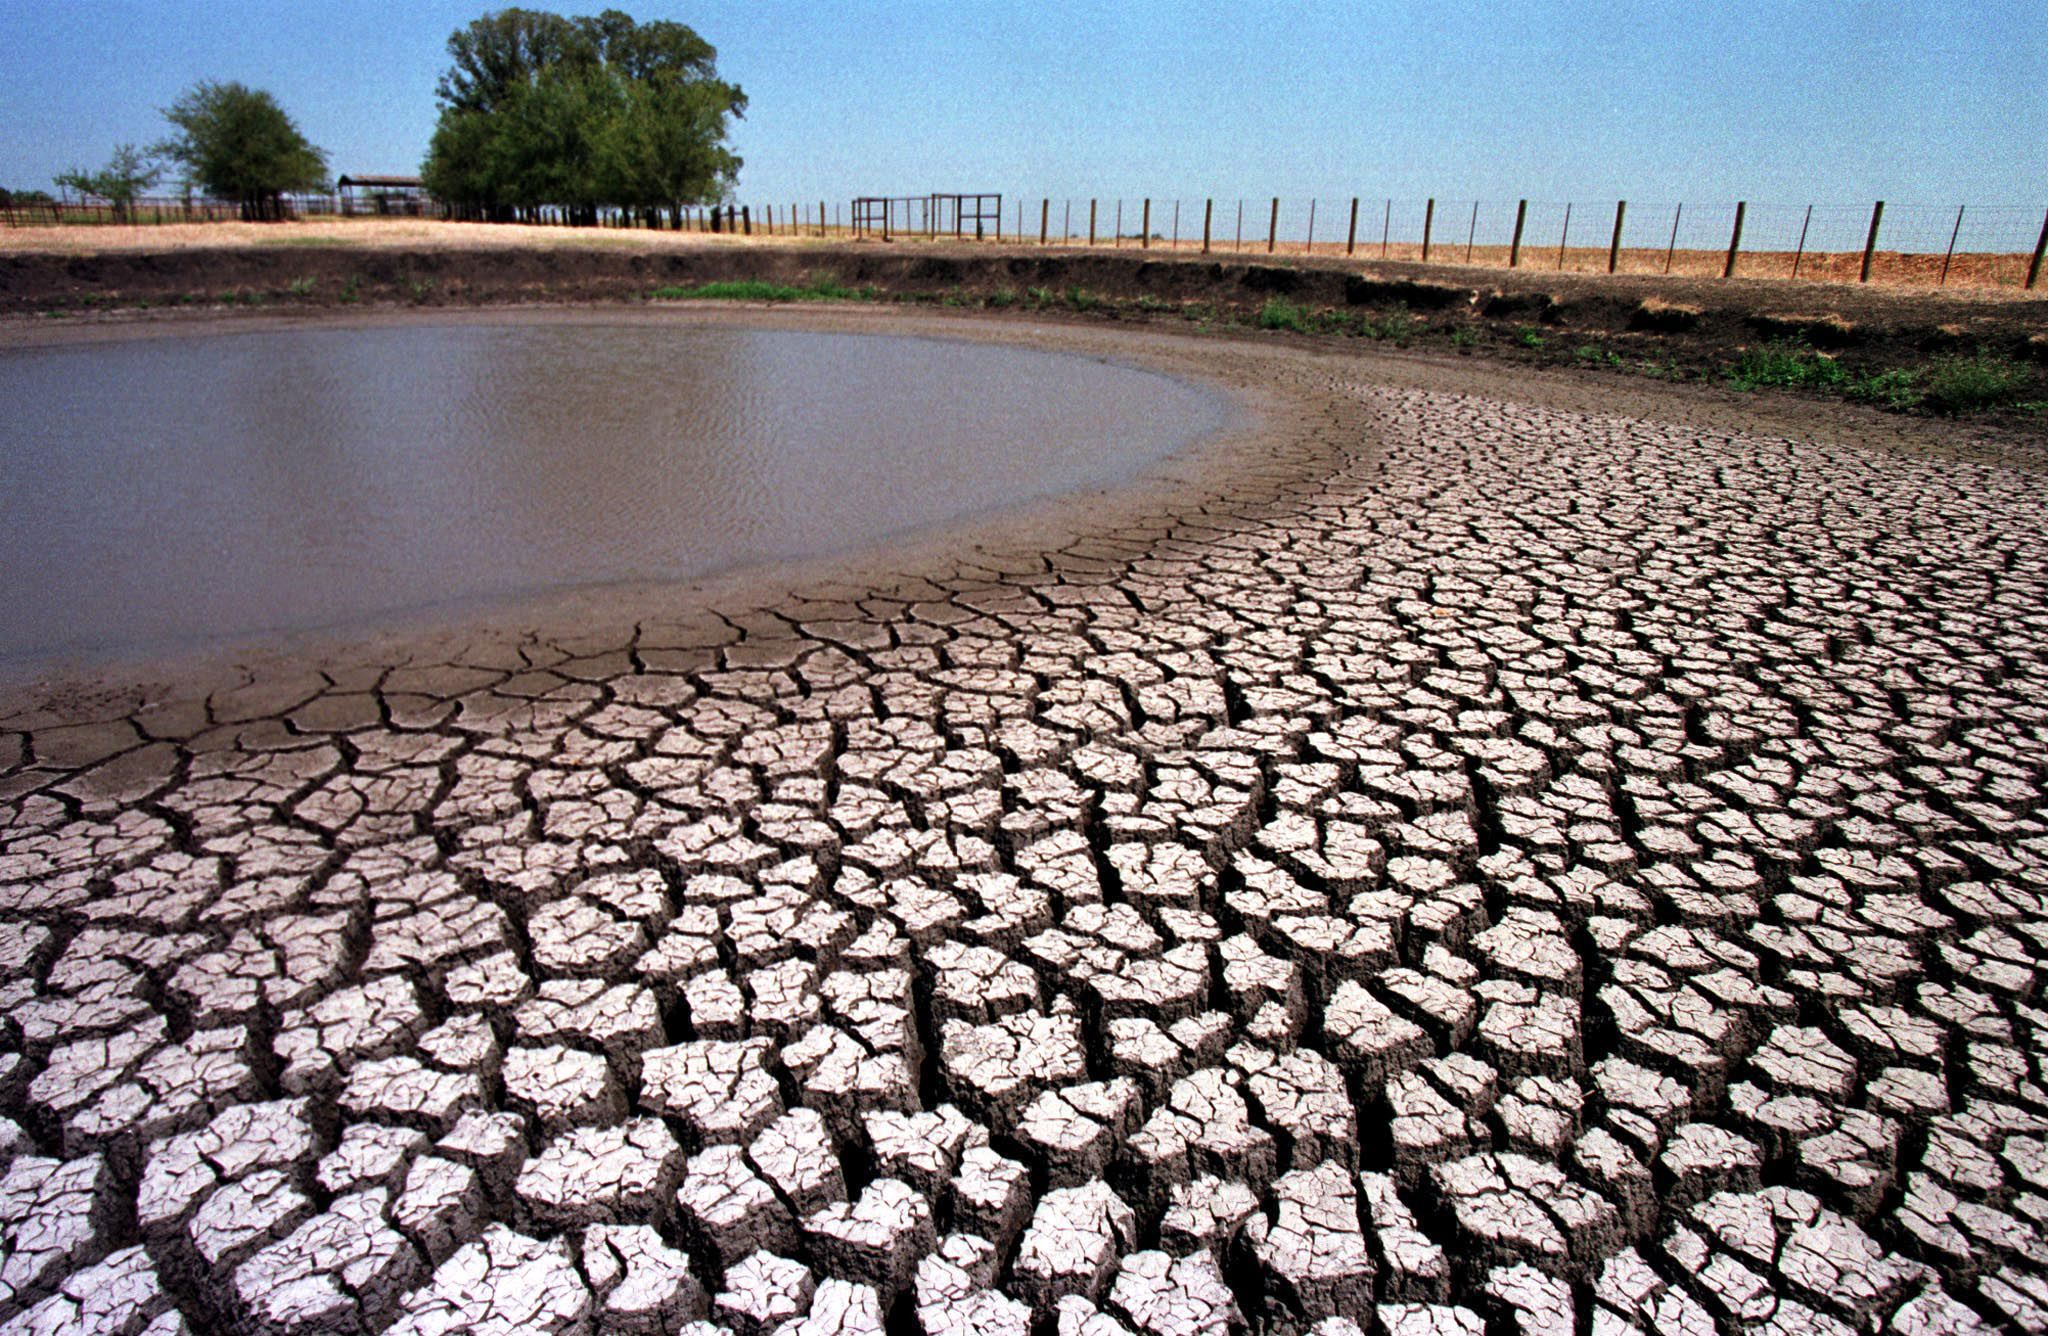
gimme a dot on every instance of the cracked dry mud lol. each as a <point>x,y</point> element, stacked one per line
<point>1496,867</point>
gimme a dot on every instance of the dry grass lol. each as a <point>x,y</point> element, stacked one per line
<point>1971,271</point>
<point>411,233</point>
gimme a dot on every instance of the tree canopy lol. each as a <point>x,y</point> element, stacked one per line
<point>238,144</point>
<point>127,174</point>
<point>541,109</point>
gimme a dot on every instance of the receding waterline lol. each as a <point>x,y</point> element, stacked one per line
<point>173,491</point>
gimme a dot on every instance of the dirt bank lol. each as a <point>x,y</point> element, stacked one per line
<point>1670,328</point>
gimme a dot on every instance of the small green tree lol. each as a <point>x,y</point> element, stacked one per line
<point>127,174</point>
<point>238,144</point>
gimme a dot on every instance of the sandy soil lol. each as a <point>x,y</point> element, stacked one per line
<point>1970,275</point>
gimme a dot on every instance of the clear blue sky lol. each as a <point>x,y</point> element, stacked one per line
<point>1785,102</point>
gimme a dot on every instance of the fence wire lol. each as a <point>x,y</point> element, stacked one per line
<point>1967,245</point>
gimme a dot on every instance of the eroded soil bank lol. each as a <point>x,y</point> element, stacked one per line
<point>1668,328</point>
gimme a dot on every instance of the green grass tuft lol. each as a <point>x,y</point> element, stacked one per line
<point>1278,314</point>
<point>1786,362</point>
<point>1971,384</point>
<point>1897,389</point>
<point>758,290</point>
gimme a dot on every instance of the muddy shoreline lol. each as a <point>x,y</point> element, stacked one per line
<point>1280,444</point>
<point>1666,327</point>
<point>1522,837</point>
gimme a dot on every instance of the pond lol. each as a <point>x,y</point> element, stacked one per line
<point>177,490</point>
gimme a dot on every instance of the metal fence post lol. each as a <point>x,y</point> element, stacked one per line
<point>2040,248</point>
<point>1351,238</point>
<point>1870,242</point>
<point>1208,208</point>
<point>1044,218</point>
<point>1735,239</point>
<point>1515,246</point>
<point>1951,247</point>
<point>1472,232</point>
<point>1672,249</point>
<point>1564,236</point>
<point>1614,246</point>
<point>1145,228</point>
<point>1273,226</point>
<point>1800,253</point>
<point>1428,217</point>
<point>1091,222</point>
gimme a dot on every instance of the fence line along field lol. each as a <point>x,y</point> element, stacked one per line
<point>1992,246</point>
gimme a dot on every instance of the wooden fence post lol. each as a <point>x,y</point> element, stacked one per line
<point>1044,218</point>
<point>1387,227</point>
<point>1145,227</point>
<point>1614,246</point>
<point>1273,226</point>
<point>1515,246</point>
<point>1428,217</point>
<point>1672,249</point>
<point>1091,222</point>
<point>1800,253</point>
<point>1472,231</point>
<point>1176,225</point>
<point>1951,247</point>
<point>1735,239</point>
<point>821,218</point>
<point>1870,242</point>
<point>747,220</point>
<point>1351,238</point>
<point>1208,210</point>
<point>1564,236</point>
<point>2040,249</point>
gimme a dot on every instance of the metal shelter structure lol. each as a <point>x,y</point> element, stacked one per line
<point>404,195</point>
<point>935,215</point>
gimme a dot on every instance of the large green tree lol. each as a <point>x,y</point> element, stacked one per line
<point>538,109</point>
<point>127,174</point>
<point>238,144</point>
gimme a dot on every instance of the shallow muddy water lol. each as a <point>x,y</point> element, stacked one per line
<point>190,489</point>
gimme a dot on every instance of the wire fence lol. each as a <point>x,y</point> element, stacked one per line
<point>1935,245</point>
<point>163,210</point>
<point>1973,245</point>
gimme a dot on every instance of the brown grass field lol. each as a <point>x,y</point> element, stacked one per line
<point>1969,273</point>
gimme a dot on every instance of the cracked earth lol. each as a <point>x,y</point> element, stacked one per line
<point>1493,867</point>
